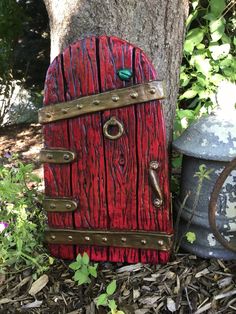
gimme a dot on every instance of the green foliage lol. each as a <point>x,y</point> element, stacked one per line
<point>209,58</point>
<point>191,237</point>
<point>24,50</point>
<point>105,299</point>
<point>83,269</point>
<point>21,215</point>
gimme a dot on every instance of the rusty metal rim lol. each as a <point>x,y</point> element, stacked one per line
<point>213,203</point>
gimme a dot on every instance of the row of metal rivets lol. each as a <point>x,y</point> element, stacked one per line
<point>115,98</point>
<point>86,238</point>
<point>65,156</point>
<point>52,206</point>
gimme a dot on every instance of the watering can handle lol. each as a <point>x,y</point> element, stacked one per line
<point>213,203</point>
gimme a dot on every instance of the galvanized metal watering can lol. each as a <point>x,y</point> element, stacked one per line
<point>210,141</point>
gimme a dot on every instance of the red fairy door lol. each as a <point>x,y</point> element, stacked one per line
<point>106,165</point>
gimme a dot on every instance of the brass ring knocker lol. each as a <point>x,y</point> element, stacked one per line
<point>113,122</point>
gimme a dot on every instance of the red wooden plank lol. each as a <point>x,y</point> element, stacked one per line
<point>120,154</point>
<point>151,145</point>
<point>86,139</point>
<point>57,177</point>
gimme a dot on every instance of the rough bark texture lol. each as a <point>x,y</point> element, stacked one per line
<point>156,26</point>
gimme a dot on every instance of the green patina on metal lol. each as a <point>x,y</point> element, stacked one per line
<point>124,74</point>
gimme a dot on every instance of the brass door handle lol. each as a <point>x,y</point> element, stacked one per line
<point>113,122</point>
<point>153,166</point>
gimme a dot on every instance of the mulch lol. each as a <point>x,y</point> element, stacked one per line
<point>187,284</point>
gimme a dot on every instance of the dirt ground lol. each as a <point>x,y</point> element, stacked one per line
<point>187,284</point>
<point>25,140</point>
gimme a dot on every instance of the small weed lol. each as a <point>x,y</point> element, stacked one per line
<point>83,269</point>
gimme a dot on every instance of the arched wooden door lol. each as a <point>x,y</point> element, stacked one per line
<point>106,164</point>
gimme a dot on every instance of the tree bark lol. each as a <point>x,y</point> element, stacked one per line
<point>156,26</point>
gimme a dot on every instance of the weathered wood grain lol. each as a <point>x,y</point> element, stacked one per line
<point>86,139</point>
<point>151,145</point>
<point>57,177</point>
<point>109,178</point>
<point>120,154</point>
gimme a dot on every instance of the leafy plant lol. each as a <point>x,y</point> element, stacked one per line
<point>202,174</point>
<point>83,269</point>
<point>209,58</point>
<point>21,218</point>
<point>105,299</point>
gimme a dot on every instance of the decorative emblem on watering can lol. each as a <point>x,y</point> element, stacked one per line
<point>211,141</point>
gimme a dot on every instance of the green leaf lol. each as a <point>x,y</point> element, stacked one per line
<point>194,37</point>
<point>219,51</point>
<point>19,244</point>
<point>111,288</point>
<point>188,94</point>
<point>191,237</point>
<point>85,258</point>
<point>203,65</point>
<point>217,7</point>
<point>112,304</point>
<point>81,277</point>
<point>184,79</point>
<point>192,16</point>
<point>75,265</point>
<point>216,79</point>
<point>93,271</point>
<point>101,300</point>
<point>200,46</point>
<point>79,258</point>
<point>217,28</point>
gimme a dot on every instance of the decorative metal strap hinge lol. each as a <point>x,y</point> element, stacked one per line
<point>56,156</point>
<point>130,239</point>
<point>59,205</point>
<point>117,98</point>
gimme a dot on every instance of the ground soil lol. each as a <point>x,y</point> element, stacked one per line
<point>187,284</point>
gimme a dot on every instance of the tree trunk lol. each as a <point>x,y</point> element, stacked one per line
<point>156,26</point>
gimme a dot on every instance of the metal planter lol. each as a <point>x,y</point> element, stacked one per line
<point>210,141</point>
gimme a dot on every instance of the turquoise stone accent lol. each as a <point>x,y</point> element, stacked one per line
<point>124,74</point>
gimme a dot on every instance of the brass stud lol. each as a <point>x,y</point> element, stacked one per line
<point>87,238</point>
<point>52,205</point>
<point>48,115</point>
<point>154,165</point>
<point>79,106</point>
<point>53,237</point>
<point>96,102</point>
<point>152,90</point>
<point>104,239</point>
<point>143,242</point>
<point>64,110</point>
<point>49,156</point>
<point>115,98</point>
<point>134,95</point>
<point>123,240</point>
<point>70,238</point>
<point>157,202</point>
<point>68,206</point>
<point>66,156</point>
<point>160,242</point>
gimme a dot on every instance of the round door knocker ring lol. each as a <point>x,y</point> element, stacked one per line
<point>110,123</point>
<point>213,205</point>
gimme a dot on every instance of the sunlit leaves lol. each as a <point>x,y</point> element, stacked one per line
<point>219,51</point>
<point>217,28</point>
<point>194,37</point>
